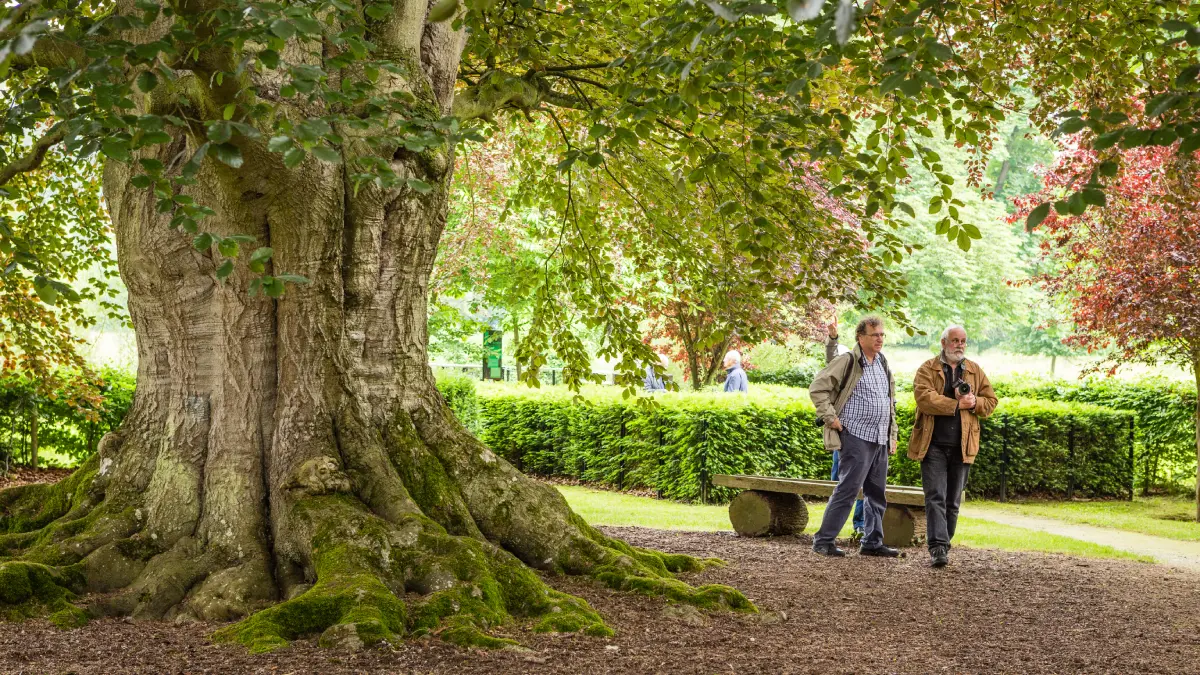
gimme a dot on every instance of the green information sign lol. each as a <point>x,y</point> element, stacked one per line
<point>493,341</point>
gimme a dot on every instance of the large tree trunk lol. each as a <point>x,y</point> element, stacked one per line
<point>291,456</point>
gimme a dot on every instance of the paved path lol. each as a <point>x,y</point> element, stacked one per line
<point>1173,552</point>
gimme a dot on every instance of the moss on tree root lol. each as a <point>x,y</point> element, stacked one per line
<point>31,589</point>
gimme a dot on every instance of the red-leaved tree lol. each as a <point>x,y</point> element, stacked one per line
<point>1130,271</point>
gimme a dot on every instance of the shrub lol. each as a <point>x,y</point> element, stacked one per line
<point>459,391</point>
<point>70,431</point>
<point>676,446</point>
<point>798,376</point>
<point>1165,429</point>
<point>64,427</point>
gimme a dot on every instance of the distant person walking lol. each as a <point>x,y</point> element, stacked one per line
<point>653,382</point>
<point>952,395</point>
<point>855,397</point>
<point>832,350</point>
<point>735,377</point>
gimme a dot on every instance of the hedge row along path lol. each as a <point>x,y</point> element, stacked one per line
<point>989,611</point>
<point>1181,554</point>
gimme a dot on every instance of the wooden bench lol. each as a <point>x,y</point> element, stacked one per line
<point>773,506</point>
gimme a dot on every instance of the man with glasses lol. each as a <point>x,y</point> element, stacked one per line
<point>952,395</point>
<point>855,397</point>
<point>832,351</point>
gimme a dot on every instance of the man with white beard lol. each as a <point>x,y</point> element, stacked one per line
<point>952,395</point>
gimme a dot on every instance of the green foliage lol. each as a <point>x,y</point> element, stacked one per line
<point>1165,413</point>
<point>794,376</point>
<point>676,446</point>
<point>459,391</point>
<point>66,426</point>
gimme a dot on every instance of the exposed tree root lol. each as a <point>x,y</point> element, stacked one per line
<point>393,538</point>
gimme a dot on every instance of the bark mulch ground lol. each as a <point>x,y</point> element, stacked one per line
<point>23,475</point>
<point>988,612</point>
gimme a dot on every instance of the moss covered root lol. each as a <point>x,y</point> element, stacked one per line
<point>31,589</point>
<point>456,588</point>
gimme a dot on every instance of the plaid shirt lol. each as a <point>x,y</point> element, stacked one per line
<point>868,412</point>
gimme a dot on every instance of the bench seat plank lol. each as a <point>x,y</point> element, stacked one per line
<point>896,494</point>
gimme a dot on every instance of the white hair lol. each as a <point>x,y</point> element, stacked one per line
<point>946,333</point>
<point>733,355</point>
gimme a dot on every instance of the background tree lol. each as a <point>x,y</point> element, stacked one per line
<point>1130,273</point>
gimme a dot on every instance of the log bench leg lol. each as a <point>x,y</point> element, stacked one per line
<point>903,526</point>
<point>755,513</point>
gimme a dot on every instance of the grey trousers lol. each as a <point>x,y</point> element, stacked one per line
<point>943,477</point>
<point>863,466</point>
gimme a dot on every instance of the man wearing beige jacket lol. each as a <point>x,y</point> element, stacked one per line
<point>855,398</point>
<point>952,395</point>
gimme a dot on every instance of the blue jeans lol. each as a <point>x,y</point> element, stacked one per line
<point>859,523</point>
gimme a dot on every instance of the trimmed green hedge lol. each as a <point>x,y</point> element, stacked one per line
<point>1166,424</point>
<point>676,446</point>
<point>68,430</point>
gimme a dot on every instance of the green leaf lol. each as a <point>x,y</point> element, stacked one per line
<point>262,253</point>
<point>1107,168</point>
<point>45,290</point>
<point>203,241</point>
<point>720,10</point>
<point>293,157</point>
<point>282,29</point>
<point>972,231</point>
<point>228,112</point>
<point>269,58</point>
<point>1071,126</point>
<point>1075,204</point>
<point>116,148</point>
<point>940,51</point>
<point>228,248</point>
<point>1162,103</point>
<point>228,153</point>
<point>225,269</point>
<point>964,241</point>
<point>1037,215</point>
<point>279,143</point>
<point>326,154</point>
<point>420,186</point>
<point>379,10</point>
<point>1105,141</point>
<point>443,10</point>
<point>220,132</point>
<point>1094,197</point>
<point>146,81</point>
<point>1190,144</point>
<point>142,181</point>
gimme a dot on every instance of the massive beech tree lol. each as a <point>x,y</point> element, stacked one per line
<point>277,177</point>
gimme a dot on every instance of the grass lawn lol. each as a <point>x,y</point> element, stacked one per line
<point>613,508</point>
<point>1157,516</point>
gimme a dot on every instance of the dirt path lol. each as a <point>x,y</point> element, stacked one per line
<point>990,611</point>
<point>1181,554</point>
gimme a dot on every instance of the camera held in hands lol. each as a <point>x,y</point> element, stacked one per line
<point>962,388</point>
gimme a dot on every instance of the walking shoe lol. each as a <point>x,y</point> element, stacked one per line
<point>880,551</point>
<point>830,550</point>
<point>938,557</point>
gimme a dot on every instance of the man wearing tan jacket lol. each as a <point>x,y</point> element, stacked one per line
<point>952,395</point>
<point>855,398</point>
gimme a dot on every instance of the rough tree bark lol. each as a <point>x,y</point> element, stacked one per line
<point>289,462</point>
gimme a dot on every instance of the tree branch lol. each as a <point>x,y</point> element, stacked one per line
<point>35,157</point>
<point>498,91</point>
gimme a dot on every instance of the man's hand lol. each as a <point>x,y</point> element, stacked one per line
<point>836,424</point>
<point>892,448</point>
<point>966,402</point>
<point>832,329</point>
